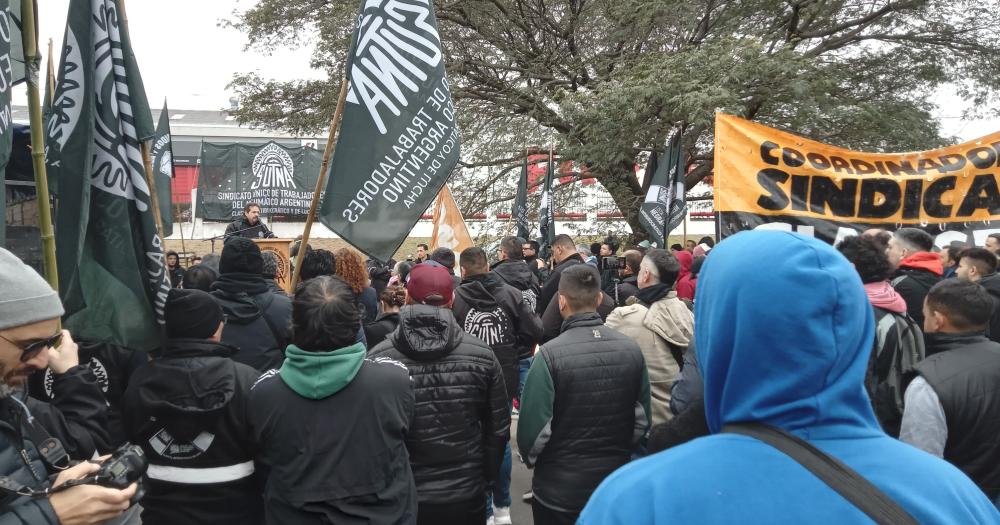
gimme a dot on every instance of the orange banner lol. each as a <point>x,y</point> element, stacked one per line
<point>449,226</point>
<point>764,171</point>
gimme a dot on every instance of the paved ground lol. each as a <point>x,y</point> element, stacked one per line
<point>520,481</point>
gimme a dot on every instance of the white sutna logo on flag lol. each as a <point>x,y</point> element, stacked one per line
<point>396,48</point>
<point>273,168</point>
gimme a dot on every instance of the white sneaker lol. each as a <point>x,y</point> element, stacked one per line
<point>490,521</point>
<point>501,515</point>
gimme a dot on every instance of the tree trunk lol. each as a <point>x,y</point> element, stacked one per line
<point>622,184</point>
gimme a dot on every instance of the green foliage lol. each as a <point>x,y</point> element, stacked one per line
<point>606,80</point>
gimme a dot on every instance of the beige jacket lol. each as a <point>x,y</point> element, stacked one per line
<point>667,322</point>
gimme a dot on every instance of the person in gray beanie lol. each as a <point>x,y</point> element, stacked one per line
<point>30,339</point>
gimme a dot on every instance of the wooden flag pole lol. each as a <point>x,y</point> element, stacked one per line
<point>181,226</point>
<point>50,77</point>
<point>147,164</point>
<point>32,61</point>
<point>334,128</point>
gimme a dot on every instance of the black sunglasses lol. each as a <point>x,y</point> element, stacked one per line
<point>30,350</point>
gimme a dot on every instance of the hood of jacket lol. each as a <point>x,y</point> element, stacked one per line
<point>317,375</point>
<point>927,261</point>
<point>515,273</point>
<point>238,291</point>
<point>882,295</point>
<point>184,389</point>
<point>787,347</point>
<point>670,319</point>
<point>478,291</point>
<point>426,333</point>
<point>991,283</point>
<point>686,259</point>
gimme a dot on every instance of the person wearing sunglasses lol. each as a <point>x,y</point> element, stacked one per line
<point>30,340</point>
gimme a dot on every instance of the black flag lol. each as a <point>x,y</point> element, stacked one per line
<point>399,141</point>
<point>163,170</point>
<point>664,206</point>
<point>521,202</point>
<point>546,210</point>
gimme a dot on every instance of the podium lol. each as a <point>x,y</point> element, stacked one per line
<point>279,247</point>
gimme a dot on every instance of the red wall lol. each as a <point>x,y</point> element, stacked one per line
<point>185,179</point>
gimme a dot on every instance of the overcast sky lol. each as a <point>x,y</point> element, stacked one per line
<point>185,56</point>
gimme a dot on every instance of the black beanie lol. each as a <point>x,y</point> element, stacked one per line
<point>241,255</point>
<point>191,314</point>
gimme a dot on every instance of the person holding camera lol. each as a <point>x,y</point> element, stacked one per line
<point>660,324</point>
<point>187,409</point>
<point>29,338</point>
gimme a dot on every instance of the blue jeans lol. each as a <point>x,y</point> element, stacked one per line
<point>501,487</point>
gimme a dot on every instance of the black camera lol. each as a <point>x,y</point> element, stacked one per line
<point>126,466</point>
<point>611,263</point>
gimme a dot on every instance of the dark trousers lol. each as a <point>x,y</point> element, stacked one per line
<point>471,512</point>
<point>543,515</point>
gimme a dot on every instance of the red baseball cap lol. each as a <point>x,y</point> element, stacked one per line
<point>430,284</point>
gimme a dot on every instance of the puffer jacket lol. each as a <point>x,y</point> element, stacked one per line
<point>497,314</point>
<point>187,409</point>
<point>662,332</point>
<point>462,421</point>
<point>584,409</point>
<point>20,461</point>
<point>258,320</point>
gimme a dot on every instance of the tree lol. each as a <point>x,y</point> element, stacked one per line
<point>606,80</point>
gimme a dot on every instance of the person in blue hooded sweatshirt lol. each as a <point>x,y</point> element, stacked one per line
<point>786,348</point>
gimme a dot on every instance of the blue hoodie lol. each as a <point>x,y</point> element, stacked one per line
<point>786,347</point>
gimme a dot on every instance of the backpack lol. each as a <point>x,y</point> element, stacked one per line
<point>899,346</point>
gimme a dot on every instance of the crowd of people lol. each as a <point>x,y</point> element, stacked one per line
<point>654,385</point>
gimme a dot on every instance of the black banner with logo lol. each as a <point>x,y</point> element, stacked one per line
<point>280,179</point>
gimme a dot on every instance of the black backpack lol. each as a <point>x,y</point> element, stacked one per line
<point>898,347</point>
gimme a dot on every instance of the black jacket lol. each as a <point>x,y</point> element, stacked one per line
<point>176,276</point>
<point>552,320</point>
<point>112,365</point>
<point>519,275</point>
<point>497,314</point>
<point>992,285</point>
<point>913,284</point>
<point>629,287</point>
<point>376,332</point>
<point>19,461</point>
<point>77,414</point>
<point>462,419</point>
<point>256,231</point>
<point>339,459</point>
<point>259,320</point>
<point>187,409</point>
<point>598,410</point>
<point>551,286</point>
<point>965,374</point>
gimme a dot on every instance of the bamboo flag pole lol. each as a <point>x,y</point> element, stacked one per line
<point>334,128</point>
<point>32,61</point>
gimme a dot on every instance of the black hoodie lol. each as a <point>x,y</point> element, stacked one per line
<point>518,274</point>
<point>188,411</point>
<point>497,314</point>
<point>456,439</point>
<point>257,319</point>
<point>992,285</point>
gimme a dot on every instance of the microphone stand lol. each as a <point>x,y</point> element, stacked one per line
<point>225,235</point>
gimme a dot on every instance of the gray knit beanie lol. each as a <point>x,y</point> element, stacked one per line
<point>26,297</point>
